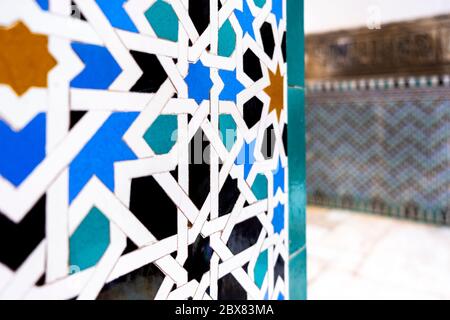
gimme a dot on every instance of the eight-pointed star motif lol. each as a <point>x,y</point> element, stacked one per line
<point>245,18</point>
<point>199,82</point>
<point>24,58</point>
<point>276,92</point>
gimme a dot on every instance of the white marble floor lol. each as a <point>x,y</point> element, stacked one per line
<point>361,256</point>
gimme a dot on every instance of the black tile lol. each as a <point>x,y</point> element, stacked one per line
<point>153,207</point>
<point>283,47</point>
<point>18,241</point>
<point>279,269</point>
<point>199,257</point>
<point>199,169</point>
<point>153,73</point>
<point>228,196</point>
<point>76,116</point>
<point>285,137</point>
<point>268,145</point>
<point>252,65</point>
<point>199,13</point>
<point>244,235</point>
<point>140,284</point>
<point>268,39</point>
<point>230,289</point>
<point>252,111</point>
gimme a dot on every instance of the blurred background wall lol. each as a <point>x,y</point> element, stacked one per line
<point>378,109</point>
<point>325,15</point>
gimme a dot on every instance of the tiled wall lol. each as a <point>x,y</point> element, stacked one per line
<point>377,119</point>
<point>383,150</point>
<point>144,150</point>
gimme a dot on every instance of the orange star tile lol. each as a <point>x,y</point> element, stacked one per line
<point>276,92</point>
<point>24,58</point>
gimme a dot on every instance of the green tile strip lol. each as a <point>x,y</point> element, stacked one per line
<point>295,43</point>
<point>296,150</point>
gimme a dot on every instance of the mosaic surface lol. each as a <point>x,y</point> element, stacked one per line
<point>382,149</point>
<point>378,119</point>
<point>143,149</point>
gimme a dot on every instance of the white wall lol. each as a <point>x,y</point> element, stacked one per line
<point>329,15</point>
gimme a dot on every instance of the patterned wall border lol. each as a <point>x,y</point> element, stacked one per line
<point>378,84</point>
<point>296,147</point>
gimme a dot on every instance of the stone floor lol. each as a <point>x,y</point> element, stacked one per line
<point>362,256</point>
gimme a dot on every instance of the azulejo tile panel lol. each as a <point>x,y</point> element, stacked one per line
<point>394,139</point>
<point>143,149</point>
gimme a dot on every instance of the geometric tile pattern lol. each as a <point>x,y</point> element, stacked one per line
<point>380,150</point>
<point>130,167</point>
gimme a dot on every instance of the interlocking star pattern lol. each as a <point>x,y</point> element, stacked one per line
<point>116,169</point>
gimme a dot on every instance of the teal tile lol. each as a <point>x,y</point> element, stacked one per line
<point>228,130</point>
<point>163,20</point>
<point>162,135</point>
<point>297,276</point>
<point>259,187</point>
<point>261,268</point>
<point>227,39</point>
<point>297,169</point>
<point>295,43</point>
<point>90,240</point>
<point>260,3</point>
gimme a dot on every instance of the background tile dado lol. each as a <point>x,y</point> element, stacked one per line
<point>377,121</point>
